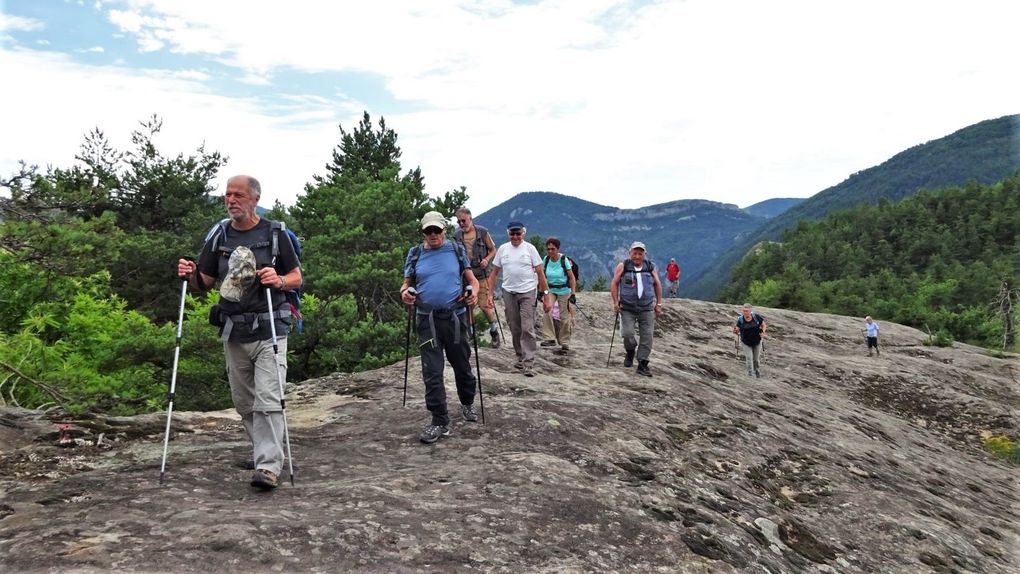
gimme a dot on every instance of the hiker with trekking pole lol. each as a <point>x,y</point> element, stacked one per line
<point>441,289</point>
<point>523,282</point>
<point>637,298</point>
<point>557,328</point>
<point>481,250</point>
<point>256,264</point>
<point>750,330</point>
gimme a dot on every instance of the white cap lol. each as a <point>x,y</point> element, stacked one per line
<point>433,219</point>
<point>638,245</point>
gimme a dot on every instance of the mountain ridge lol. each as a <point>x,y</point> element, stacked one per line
<point>986,152</point>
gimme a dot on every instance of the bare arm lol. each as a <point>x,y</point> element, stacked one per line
<point>614,287</point>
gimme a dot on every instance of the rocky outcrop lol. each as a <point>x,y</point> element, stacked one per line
<point>833,462</point>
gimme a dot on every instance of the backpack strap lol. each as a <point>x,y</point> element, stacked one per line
<point>458,251</point>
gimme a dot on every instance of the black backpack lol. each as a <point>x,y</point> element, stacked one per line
<point>219,231</point>
<point>573,266</point>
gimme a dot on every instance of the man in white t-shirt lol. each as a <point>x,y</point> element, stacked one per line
<point>522,271</point>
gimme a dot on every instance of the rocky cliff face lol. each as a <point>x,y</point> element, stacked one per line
<point>833,462</point>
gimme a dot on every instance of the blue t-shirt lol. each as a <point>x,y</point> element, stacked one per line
<point>554,275</point>
<point>872,328</point>
<point>439,281</point>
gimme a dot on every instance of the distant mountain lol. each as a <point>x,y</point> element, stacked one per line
<point>598,237</point>
<point>773,207</point>
<point>985,152</point>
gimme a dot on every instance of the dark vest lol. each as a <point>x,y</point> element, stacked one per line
<point>479,249</point>
<point>628,287</point>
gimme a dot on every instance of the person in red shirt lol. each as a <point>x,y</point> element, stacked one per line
<point>673,278</point>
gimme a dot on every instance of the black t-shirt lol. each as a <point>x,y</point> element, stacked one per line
<point>259,239</point>
<point>750,331</point>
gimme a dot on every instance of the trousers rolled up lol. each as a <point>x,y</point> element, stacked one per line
<point>449,335</point>
<point>644,321</point>
<point>549,325</point>
<point>255,391</point>
<point>752,355</point>
<point>520,316</point>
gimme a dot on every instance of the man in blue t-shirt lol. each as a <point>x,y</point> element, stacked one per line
<point>437,275</point>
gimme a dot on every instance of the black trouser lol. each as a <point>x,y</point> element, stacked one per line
<point>436,336</point>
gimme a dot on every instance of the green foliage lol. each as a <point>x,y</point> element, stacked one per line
<point>118,211</point>
<point>84,351</point>
<point>70,336</point>
<point>1002,447</point>
<point>359,220</point>
<point>600,283</point>
<point>936,259</point>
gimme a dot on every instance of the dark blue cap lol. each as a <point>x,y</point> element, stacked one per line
<point>514,225</point>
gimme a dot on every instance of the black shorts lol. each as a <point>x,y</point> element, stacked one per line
<point>872,342</point>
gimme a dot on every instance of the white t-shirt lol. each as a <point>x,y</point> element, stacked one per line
<point>517,264</point>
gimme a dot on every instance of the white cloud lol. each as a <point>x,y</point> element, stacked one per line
<point>9,23</point>
<point>283,155</point>
<point>622,103</point>
<point>93,50</point>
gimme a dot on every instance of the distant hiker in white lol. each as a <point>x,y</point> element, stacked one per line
<point>871,329</point>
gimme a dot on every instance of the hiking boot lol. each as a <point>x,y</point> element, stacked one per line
<point>628,361</point>
<point>643,369</point>
<point>528,371</point>
<point>757,374</point>
<point>876,352</point>
<point>264,479</point>
<point>469,413</point>
<point>495,338</point>
<point>432,433</point>
<point>519,365</point>
<point>549,343</point>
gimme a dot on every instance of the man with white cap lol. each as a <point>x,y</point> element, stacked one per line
<point>523,273</point>
<point>439,284</point>
<point>637,298</point>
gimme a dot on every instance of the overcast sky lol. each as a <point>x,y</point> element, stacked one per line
<point>621,103</point>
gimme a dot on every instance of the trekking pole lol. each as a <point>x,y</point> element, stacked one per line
<point>613,338</point>
<point>279,379</point>
<point>173,379</point>
<point>407,344</point>
<point>583,314</point>
<point>499,323</point>
<point>478,368</point>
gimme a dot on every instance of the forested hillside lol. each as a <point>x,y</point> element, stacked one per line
<point>88,257</point>
<point>942,260</point>
<point>985,152</point>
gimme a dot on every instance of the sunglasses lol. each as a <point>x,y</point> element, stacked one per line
<point>516,233</point>
<point>432,231</point>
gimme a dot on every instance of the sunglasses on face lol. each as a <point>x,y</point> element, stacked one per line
<point>516,233</point>
<point>432,231</point>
